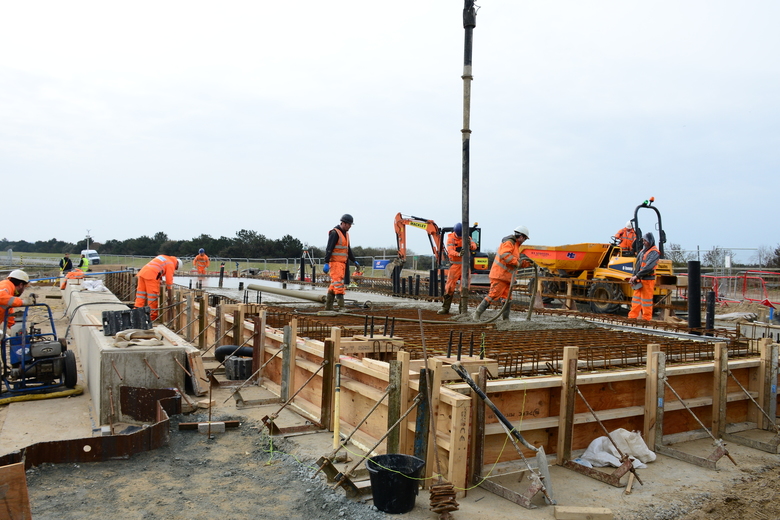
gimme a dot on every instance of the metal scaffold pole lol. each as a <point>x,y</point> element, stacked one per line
<point>469,22</point>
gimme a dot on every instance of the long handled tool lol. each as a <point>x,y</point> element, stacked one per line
<point>543,471</point>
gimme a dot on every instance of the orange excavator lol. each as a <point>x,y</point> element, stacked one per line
<point>436,235</point>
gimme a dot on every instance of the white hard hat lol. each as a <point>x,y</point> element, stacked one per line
<point>522,230</point>
<point>629,225</point>
<point>178,263</point>
<point>20,275</point>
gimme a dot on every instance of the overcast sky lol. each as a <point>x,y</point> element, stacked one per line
<point>129,118</point>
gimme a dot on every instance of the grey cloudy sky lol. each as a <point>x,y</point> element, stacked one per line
<point>210,117</point>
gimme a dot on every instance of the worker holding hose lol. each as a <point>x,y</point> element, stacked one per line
<point>337,254</point>
<point>506,261</point>
<point>643,279</point>
<point>455,254</point>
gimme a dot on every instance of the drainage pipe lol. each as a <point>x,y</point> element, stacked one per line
<point>287,292</point>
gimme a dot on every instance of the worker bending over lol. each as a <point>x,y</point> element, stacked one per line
<point>455,254</point>
<point>506,261</point>
<point>11,290</point>
<point>644,274</point>
<point>626,238</point>
<point>148,289</point>
<point>201,262</point>
<point>337,254</point>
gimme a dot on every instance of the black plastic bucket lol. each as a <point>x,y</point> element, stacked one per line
<point>394,481</point>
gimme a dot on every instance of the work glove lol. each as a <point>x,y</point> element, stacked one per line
<point>357,264</point>
<point>28,300</point>
<point>459,250</point>
<point>325,268</point>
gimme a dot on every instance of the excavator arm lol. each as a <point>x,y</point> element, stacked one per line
<point>429,226</point>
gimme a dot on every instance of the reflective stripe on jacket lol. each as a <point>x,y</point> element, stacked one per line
<point>341,249</point>
<point>158,267</point>
<point>644,269</point>
<point>453,243</point>
<point>506,260</point>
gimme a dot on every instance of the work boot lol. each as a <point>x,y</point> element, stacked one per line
<point>481,308</point>
<point>329,301</point>
<point>445,308</point>
<point>340,301</point>
<point>505,312</point>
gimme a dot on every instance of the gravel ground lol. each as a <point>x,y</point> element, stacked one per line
<point>237,474</point>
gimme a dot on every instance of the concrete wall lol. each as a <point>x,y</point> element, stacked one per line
<point>106,367</point>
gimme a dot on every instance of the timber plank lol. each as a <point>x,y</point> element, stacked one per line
<point>15,498</point>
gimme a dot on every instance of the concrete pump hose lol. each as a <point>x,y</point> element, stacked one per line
<point>287,292</point>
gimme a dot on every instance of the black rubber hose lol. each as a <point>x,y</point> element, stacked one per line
<point>224,351</point>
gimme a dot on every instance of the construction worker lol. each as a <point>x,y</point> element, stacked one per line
<point>625,238</point>
<point>643,279</point>
<point>148,288</point>
<point>337,254</point>
<point>83,263</point>
<point>455,254</point>
<point>201,262</point>
<point>66,264</point>
<point>506,261</point>
<point>11,290</point>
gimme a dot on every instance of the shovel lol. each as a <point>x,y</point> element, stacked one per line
<point>541,458</point>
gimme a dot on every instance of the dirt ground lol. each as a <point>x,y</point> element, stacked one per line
<point>244,473</point>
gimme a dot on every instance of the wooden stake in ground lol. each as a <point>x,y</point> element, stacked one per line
<point>442,493</point>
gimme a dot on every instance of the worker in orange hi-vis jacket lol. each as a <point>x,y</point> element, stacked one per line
<point>626,238</point>
<point>455,254</point>
<point>11,290</point>
<point>148,289</point>
<point>201,262</point>
<point>506,261</point>
<point>643,279</point>
<point>337,255</point>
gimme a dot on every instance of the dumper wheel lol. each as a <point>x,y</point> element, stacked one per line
<point>70,373</point>
<point>604,291</point>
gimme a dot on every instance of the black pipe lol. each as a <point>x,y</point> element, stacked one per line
<point>442,282</point>
<point>433,285</point>
<point>303,268</point>
<point>365,325</point>
<point>694,296</point>
<point>403,285</point>
<point>709,319</point>
<point>417,285</point>
<point>460,344</point>
<point>411,285</point>
<point>384,329</point>
<point>471,345</point>
<point>372,326</point>
<point>224,351</point>
<point>221,274</point>
<point>392,327</point>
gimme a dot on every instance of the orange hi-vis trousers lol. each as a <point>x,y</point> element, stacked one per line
<point>642,301</point>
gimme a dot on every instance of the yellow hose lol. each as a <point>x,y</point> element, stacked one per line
<point>77,390</point>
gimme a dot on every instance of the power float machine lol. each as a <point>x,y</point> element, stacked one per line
<point>34,361</point>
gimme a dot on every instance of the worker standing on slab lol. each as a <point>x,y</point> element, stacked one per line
<point>625,238</point>
<point>148,289</point>
<point>83,263</point>
<point>506,261</point>
<point>66,264</point>
<point>455,254</point>
<point>11,290</point>
<point>337,255</point>
<point>201,262</point>
<point>643,279</point>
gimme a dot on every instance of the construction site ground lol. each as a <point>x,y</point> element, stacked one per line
<point>244,473</point>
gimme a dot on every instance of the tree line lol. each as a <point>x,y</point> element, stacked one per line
<point>246,244</point>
